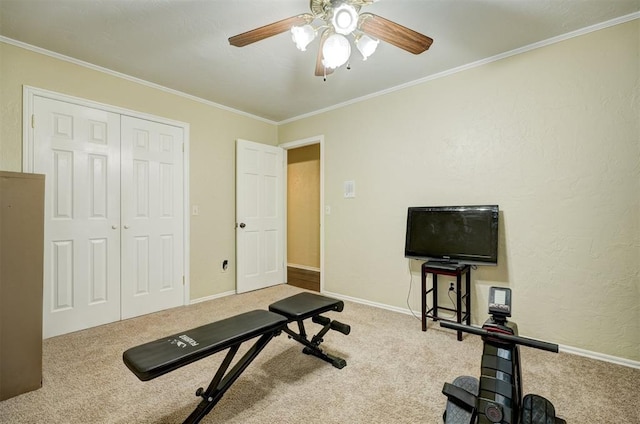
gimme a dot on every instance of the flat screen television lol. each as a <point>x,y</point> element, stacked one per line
<point>453,234</point>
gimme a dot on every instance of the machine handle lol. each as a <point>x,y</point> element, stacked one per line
<point>524,341</point>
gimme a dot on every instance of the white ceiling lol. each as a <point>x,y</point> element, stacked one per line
<point>182,44</point>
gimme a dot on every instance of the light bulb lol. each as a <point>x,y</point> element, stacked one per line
<point>335,51</point>
<point>345,19</point>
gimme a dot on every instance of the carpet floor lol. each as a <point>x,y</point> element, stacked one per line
<point>395,374</point>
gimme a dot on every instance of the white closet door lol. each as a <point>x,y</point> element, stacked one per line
<point>78,149</point>
<point>152,221</point>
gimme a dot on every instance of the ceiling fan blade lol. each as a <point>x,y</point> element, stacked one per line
<point>267,31</point>
<point>393,33</point>
<point>321,71</point>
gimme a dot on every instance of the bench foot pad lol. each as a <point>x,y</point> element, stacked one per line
<point>306,305</point>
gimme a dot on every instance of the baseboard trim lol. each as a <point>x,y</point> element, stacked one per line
<point>368,302</point>
<point>600,356</point>
<point>305,267</point>
<point>212,297</point>
<point>563,348</point>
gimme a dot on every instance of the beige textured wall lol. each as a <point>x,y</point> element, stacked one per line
<point>212,157</point>
<point>303,206</point>
<point>552,136</point>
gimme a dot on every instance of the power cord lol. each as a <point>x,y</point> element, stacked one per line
<point>453,303</point>
<point>409,293</point>
<point>451,289</point>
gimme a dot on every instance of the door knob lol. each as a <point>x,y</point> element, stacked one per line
<point>242,225</point>
<point>126,227</point>
<point>114,227</point>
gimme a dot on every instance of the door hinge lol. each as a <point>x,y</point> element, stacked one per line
<point>33,121</point>
<point>183,280</point>
<point>182,147</point>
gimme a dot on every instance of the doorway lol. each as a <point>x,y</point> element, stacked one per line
<point>304,217</point>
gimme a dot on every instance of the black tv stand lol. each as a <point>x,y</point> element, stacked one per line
<point>451,269</point>
<point>444,265</point>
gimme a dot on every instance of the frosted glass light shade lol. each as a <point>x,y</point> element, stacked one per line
<point>302,36</point>
<point>367,46</point>
<point>335,51</point>
<point>345,19</point>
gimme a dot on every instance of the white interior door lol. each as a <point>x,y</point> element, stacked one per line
<point>152,222</point>
<point>259,216</point>
<point>78,148</point>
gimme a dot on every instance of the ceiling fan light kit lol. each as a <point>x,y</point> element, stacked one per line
<point>339,19</point>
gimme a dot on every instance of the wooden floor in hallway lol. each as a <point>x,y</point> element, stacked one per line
<point>303,278</point>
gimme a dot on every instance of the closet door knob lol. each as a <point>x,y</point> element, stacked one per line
<point>114,227</point>
<point>126,227</point>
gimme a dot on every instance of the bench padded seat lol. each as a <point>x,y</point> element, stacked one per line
<point>305,305</point>
<point>153,359</point>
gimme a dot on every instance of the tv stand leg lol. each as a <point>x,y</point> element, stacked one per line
<point>424,301</point>
<point>459,303</point>
<point>468,297</point>
<point>434,296</point>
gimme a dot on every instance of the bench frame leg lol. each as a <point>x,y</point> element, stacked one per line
<point>223,380</point>
<point>312,347</point>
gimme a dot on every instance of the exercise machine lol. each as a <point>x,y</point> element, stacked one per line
<point>159,357</point>
<point>497,396</point>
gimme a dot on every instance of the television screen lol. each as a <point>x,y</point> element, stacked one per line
<point>453,234</point>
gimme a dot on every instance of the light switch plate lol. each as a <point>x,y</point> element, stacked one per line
<point>349,189</point>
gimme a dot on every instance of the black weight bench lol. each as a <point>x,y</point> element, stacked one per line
<point>308,305</point>
<point>153,359</point>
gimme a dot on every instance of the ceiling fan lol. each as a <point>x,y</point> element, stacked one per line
<point>335,20</point>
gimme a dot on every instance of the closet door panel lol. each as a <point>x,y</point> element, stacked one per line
<point>78,148</point>
<point>152,250</point>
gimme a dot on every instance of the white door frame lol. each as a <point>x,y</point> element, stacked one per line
<point>318,139</point>
<point>28,94</point>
